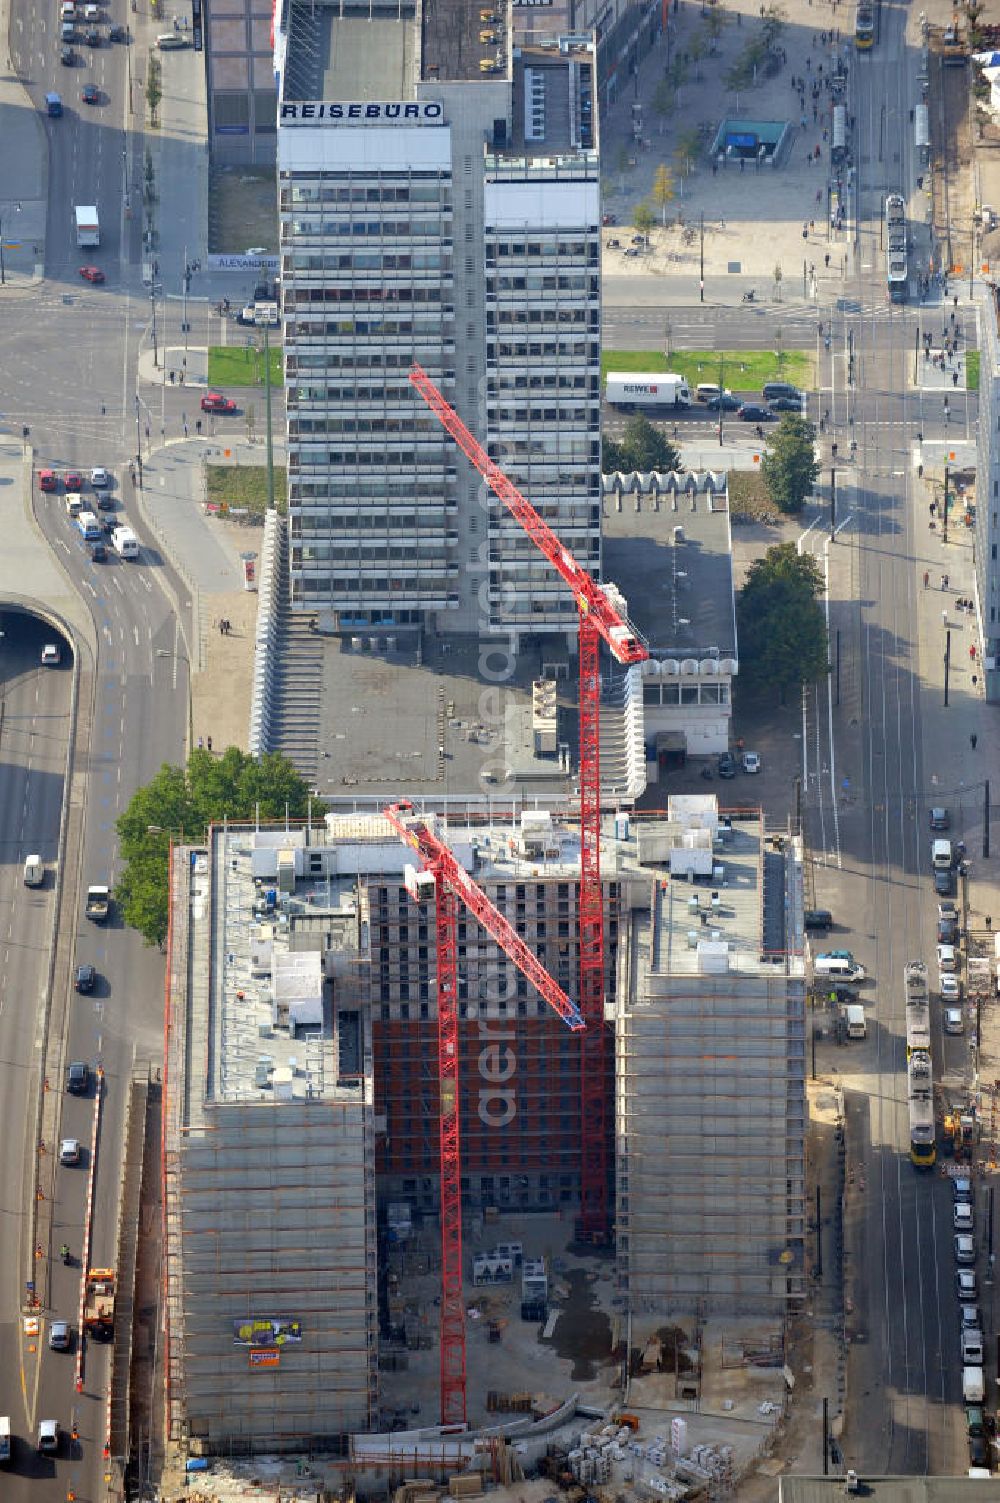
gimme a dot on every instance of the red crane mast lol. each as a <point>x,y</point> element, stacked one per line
<point>599,618</point>
<point>451,883</point>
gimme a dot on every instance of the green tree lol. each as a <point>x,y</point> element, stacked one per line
<point>664,98</point>
<point>677,73</point>
<point>715,23</point>
<point>699,51</point>
<point>622,164</point>
<point>641,447</point>
<point>789,465</point>
<point>774,25</point>
<point>643,219</point>
<point>181,803</point>
<point>154,88</point>
<point>782,633</point>
<point>688,149</point>
<point>663,193</point>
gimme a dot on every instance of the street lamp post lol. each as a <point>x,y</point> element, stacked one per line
<point>152,305</point>
<point>3,269</point>
<point>164,652</point>
<point>138,440</point>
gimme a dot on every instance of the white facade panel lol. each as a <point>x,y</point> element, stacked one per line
<point>380,148</point>
<point>545,205</point>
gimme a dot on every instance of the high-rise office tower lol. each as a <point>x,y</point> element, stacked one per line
<point>439,204</point>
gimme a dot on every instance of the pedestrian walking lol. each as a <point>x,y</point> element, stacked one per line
<point>954,378</point>
<point>826,258</point>
<point>927,578</point>
<point>201,744</point>
<point>222,625</point>
<point>972,740</point>
<point>209,743</point>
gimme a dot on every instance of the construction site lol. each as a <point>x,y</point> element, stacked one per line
<point>378,1244</point>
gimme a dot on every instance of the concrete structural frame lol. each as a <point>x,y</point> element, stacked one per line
<point>439,199</point>
<point>988,490</point>
<point>301,1096</point>
<point>710,1068</point>
<point>268,1152</point>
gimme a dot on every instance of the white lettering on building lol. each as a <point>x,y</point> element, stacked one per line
<point>497,1066</point>
<point>425,112</point>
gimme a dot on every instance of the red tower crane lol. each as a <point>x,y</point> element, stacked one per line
<point>598,618</point>
<point>452,882</point>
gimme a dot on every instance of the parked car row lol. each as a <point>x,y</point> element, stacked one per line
<point>776,397</point>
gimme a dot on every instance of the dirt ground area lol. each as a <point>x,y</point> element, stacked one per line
<point>242,209</point>
<point>952,200</point>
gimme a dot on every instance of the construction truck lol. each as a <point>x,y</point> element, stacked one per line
<point>958,1134</point>
<point>953,45</point>
<point>99,1303</point>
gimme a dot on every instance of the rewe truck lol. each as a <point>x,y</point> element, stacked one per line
<point>88,227</point>
<point>98,903</point>
<point>629,389</point>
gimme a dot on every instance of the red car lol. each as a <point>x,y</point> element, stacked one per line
<point>73,480</point>
<point>214,401</point>
<point>47,480</point>
<point>91,273</point>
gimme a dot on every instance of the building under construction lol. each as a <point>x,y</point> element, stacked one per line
<point>301,1140</point>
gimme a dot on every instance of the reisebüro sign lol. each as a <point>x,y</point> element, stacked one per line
<point>425,112</point>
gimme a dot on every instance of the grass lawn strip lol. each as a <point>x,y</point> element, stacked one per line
<point>742,370</point>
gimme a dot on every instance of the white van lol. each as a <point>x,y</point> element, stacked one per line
<point>34,872</point>
<point>125,542</point>
<point>941,856</point>
<point>854,1017</point>
<point>836,969</point>
<point>167,41</point>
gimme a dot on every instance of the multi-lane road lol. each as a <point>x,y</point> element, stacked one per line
<point>68,352</point>
<point>876,757</point>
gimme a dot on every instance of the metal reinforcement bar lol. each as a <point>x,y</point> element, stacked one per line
<point>129,1211</point>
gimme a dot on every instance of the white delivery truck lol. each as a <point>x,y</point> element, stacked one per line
<point>125,542</point>
<point>854,1017</point>
<point>88,226</point>
<point>973,1385</point>
<point>650,391</point>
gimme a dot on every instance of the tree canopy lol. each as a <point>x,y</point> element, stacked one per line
<point>641,447</point>
<point>789,465</point>
<point>180,803</point>
<point>782,632</point>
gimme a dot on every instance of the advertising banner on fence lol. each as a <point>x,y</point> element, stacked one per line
<point>265,1332</point>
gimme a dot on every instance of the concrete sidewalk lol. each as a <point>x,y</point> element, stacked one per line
<point>24,182</point>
